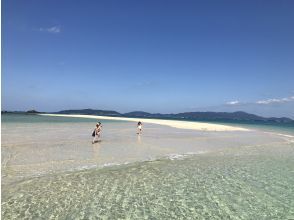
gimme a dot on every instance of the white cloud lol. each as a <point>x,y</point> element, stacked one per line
<point>270,101</point>
<point>233,102</point>
<point>263,102</point>
<point>54,29</point>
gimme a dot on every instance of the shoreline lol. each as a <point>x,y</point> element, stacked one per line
<point>199,126</point>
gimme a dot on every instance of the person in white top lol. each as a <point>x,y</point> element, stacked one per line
<point>139,125</point>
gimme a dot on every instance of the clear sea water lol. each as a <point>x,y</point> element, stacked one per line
<point>50,170</point>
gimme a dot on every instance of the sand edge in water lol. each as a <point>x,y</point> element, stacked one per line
<point>202,126</point>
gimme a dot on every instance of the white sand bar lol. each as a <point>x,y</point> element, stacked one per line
<point>172,123</point>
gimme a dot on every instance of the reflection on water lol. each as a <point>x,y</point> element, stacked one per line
<point>139,139</point>
<point>96,151</point>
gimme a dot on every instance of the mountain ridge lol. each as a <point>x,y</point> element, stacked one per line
<point>205,116</point>
<point>238,116</point>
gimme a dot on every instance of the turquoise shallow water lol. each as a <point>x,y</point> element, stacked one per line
<point>232,175</point>
<point>33,119</point>
<point>270,127</point>
<point>243,184</point>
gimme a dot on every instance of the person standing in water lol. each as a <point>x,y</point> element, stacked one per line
<point>96,132</point>
<point>139,125</point>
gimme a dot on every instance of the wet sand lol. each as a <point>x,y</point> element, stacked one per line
<point>44,148</point>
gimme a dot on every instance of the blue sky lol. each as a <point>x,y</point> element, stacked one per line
<point>156,56</point>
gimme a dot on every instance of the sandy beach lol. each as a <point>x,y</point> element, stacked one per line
<point>200,126</point>
<point>53,166</point>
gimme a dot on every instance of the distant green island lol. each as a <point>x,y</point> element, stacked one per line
<point>238,116</point>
